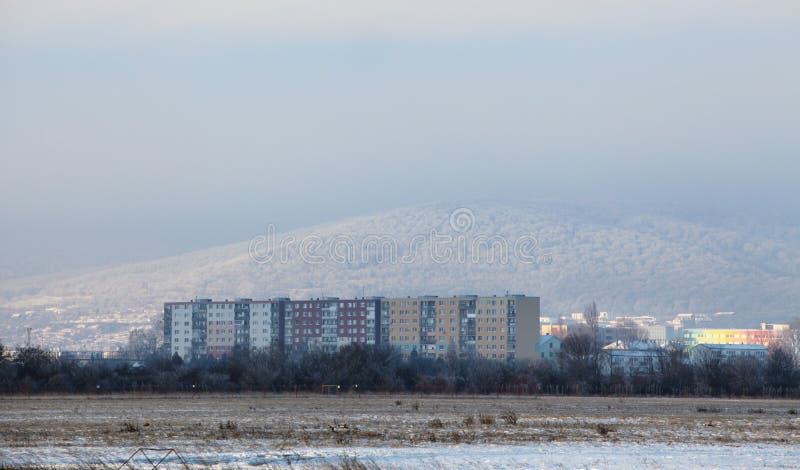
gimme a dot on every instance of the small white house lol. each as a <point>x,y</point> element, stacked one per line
<point>548,348</point>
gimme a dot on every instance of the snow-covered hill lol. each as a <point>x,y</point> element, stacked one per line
<point>567,254</point>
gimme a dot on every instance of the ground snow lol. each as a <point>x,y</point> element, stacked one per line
<point>543,456</point>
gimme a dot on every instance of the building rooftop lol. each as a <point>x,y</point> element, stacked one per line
<point>547,338</point>
<point>738,347</point>
<point>632,346</point>
<point>635,352</point>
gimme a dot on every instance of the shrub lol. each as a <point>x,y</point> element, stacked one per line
<point>709,409</point>
<point>129,426</point>
<point>436,423</point>
<point>342,438</point>
<point>486,419</point>
<point>469,420</point>
<point>603,429</point>
<point>228,425</point>
<point>509,417</point>
<point>352,463</point>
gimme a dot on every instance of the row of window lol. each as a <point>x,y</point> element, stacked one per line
<point>443,312</point>
<point>491,338</point>
<point>494,356</point>
<point>491,329</point>
<point>403,330</point>
<point>330,314</point>
<point>404,338</point>
<point>328,304</point>
<point>334,322</point>
<point>490,320</point>
<point>452,302</point>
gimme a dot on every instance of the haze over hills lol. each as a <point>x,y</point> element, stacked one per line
<point>567,254</point>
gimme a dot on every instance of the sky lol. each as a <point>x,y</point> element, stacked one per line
<point>133,130</point>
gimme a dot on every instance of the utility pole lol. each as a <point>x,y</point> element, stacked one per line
<point>28,340</point>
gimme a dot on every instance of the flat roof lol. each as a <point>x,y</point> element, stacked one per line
<point>732,346</point>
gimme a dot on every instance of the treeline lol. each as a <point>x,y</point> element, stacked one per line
<point>359,368</point>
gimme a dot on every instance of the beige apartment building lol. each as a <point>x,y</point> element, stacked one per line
<point>494,327</point>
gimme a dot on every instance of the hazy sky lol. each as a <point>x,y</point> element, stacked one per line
<point>131,130</point>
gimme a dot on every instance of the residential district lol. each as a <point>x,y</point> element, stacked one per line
<point>494,327</point>
<point>499,327</point>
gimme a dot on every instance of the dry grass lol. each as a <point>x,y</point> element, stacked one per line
<point>510,417</point>
<point>228,426</point>
<point>284,421</point>
<point>130,426</point>
<point>604,429</point>
<point>436,423</point>
<point>708,409</point>
<point>353,463</point>
<point>486,419</point>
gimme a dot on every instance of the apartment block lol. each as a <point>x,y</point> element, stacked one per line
<point>203,327</point>
<point>329,323</point>
<point>763,337</point>
<point>491,327</point>
<point>496,327</point>
<point>404,323</point>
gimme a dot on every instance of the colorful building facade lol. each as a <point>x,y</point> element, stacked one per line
<point>694,336</point>
<point>496,327</point>
<point>330,323</point>
<point>204,327</point>
<point>490,327</point>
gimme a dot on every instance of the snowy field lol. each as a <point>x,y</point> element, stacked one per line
<point>580,455</point>
<point>243,431</point>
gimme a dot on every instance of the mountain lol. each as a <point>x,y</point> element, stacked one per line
<point>568,254</point>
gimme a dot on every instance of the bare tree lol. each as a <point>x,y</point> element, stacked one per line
<point>790,343</point>
<point>675,374</point>
<point>591,317</point>
<point>710,372</point>
<point>746,376</point>
<point>142,342</point>
<point>632,334</point>
<point>576,357</point>
<point>781,373</point>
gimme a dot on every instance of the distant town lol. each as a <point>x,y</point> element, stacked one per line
<point>500,327</point>
<point>492,327</point>
<point>497,327</point>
